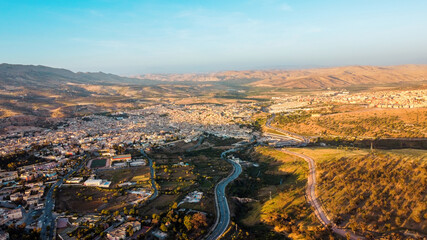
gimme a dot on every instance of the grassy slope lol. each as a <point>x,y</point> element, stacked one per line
<point>382,192</point>
<point>366,123</point>
<point>287,211</point>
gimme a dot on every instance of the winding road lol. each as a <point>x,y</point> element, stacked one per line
<point>311,184</point>
<point>298,139</point>
<point>222,208</point>
<point>313,200</point>
<point>152,175</point>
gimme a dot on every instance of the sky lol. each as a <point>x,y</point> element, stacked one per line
<point>136,37</point>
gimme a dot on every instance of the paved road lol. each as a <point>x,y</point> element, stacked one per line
<point>201,139</point>
<point>152,176</point>
<point>222,208</point>
<point>47,218</point>
<point>313,200</point>
<point>311,183</point>
<point>303,141</point>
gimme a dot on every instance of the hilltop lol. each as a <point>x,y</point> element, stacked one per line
<point>54,92</point>
<point>41,76</point>
<point>317,78</point>
<point>32,76</point>
<point>343,76</point>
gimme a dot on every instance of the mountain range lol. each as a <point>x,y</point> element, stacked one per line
<point>46,91</point>
<point>41,76</point>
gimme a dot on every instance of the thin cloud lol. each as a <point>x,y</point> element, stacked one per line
<point>285,7</point>
<point>95,13</point>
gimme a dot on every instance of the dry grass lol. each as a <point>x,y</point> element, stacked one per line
<point>378,191</point>
<point>76,199</point>
<point>364,123</point>
<point>288,201</point>
<point>123,174</point>
<point>328,154</point>
<point>7,113</point>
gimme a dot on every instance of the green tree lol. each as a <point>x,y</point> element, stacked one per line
<point>187,222</point>
<point>163,228</point>
<point>155,216</point>
<point>129,230</point>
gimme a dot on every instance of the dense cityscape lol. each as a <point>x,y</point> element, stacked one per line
<point>81,153</point>
<point>213,120</point>
<point>55,151</point>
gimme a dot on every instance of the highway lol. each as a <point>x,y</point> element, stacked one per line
<point>222,208</point>
<point>303,141</point>
<point>152,176</point>
<point>47,218</point>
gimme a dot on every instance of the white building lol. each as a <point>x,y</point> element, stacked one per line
<point>97,183</point>
<point>93,182</point>
<point>138,162</point>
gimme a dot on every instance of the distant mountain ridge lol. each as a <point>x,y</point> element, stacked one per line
<point>343,76</point>
<point>53,92</point>
<point>41,76</point>
<point>308,78</point>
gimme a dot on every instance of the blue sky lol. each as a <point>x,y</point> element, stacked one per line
<point>135,37</point>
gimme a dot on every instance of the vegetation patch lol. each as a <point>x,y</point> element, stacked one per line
<point>117,176</point>
<point>77,199</point>
<point>371,123</point>
<point>275,193</point>
<point>377,192</point>
<point>96,163</point>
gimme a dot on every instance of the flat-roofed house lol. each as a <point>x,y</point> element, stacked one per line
<point>8,176</point>
<point>15,214</point>
<point>93,182</point>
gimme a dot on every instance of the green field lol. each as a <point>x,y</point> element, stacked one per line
<point>96,163</point>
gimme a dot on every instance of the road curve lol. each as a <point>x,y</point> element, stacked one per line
<point>303,141</point>
<point>152,175</point>
<point>222,208</point>
<point>313,200</point>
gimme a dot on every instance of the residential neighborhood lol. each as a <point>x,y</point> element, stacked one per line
<point>91,149</point>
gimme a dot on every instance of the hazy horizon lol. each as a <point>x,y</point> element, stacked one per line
<point>132,38</point>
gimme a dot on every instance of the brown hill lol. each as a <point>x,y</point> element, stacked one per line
<point>308,78</point>
<point>339,76</point>
<point>44,91</point>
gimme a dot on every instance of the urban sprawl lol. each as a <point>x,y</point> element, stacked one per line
<point>71,144</point>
